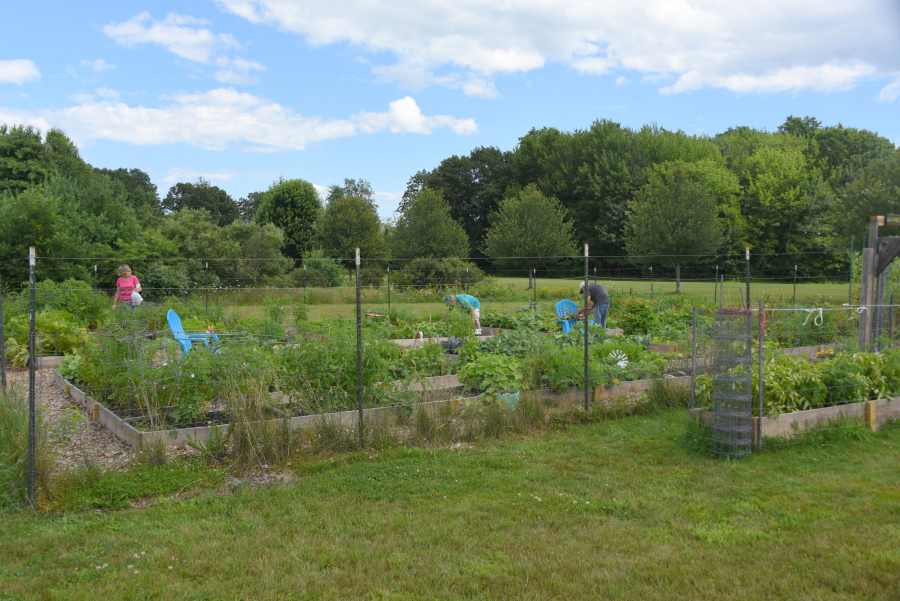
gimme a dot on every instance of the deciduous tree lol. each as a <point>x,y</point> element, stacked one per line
<point>674,218</point>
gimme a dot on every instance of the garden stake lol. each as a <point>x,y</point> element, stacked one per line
<point>2,343</point>
<point>32,359</point>
<point>762,330</point>
<point>587,387</point>
<point>359,395</point>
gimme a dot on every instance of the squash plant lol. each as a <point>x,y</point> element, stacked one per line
<point>492,374</point>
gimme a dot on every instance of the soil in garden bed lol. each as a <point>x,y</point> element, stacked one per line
<point>172,419</point>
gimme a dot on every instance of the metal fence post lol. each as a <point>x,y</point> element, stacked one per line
<point>794,302</point>
<point>467,280</point>
<point>534,282</point>
<point>32,359</point>
<point>359,356</point>
<point>207,288</point>
<point>694,359</point>
<point>850,285</point>
<point>2,343</point>
<point>587,376</point>
<point>748,278</point>
<point>651,282</point>
<point>389,289</point>
<point>716,286</point>
<point>759,418</point>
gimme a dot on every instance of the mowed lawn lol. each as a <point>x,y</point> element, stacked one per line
<point>614,510</point>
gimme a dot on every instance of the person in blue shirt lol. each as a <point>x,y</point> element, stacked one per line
<point>469,304</point>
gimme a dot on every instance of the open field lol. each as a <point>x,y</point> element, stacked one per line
<point>341,301</point>
<point>617,509</point>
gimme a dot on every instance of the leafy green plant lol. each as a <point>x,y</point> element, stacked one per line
<point>492,374</point>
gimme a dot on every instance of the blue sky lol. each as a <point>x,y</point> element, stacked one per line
<point>245,91</point>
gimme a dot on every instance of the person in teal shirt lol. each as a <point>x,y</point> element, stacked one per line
<point>467,302</point>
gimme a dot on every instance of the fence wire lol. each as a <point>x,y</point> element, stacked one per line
<point>361,356</point>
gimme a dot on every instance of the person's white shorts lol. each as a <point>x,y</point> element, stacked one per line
<point>476,313</point>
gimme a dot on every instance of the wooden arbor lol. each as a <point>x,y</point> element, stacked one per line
<point>879,254</point>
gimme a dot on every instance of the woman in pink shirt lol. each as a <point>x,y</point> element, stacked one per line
<point>126,285</point>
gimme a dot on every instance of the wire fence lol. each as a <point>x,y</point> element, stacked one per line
<point>331,356</point>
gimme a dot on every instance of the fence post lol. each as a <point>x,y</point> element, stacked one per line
<point>467,280</point>
<point>759,418</point>
<point>716,286</point>
<point>850,286</point>
<point>534,283</point>
<point>2,343</point>
<point>587,380</point>
<point>890,324</point>
<point>207,288</point>
<point>794,302</point>
<point>304,277</point>
<point>651,282</point>
<point>389,288</point>
<point>748,278</point>
<point>694,359</point>
<point>32,360</point>
<point>359,357</point>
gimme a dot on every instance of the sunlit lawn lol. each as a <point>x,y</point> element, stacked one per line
<point>615,510</point>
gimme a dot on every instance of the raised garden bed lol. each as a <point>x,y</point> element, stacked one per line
<point>788,425</point>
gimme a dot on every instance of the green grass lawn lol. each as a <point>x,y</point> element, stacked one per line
<point>613,510</point>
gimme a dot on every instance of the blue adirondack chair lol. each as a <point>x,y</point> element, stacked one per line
<point>565,314</point>
<point>185,339</point>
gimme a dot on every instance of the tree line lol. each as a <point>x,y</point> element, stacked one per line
<point>802,190</point>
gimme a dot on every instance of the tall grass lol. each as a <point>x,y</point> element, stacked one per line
<point>14,449</point>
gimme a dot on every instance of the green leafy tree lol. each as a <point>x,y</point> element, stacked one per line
<point>349,223</point>
<point>426,230</point>
<point>472,185</point>
<point>352,187</point>
<point>142,193</point>
<point>294,206</point>
<point>202,195</point>
<point>528,231</point>
<point>672,217</point>
<point>875,192</point>
<point>23,160</point>
<point>249,205</point>
<point>64,157</point>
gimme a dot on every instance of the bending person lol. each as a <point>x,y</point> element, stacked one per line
<point>598,298</point>
<point>469,304</point>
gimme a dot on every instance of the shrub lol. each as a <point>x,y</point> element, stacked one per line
<point>328,267</point>
<point>371,276</point>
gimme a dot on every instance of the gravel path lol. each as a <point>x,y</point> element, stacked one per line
<point>73,438</point>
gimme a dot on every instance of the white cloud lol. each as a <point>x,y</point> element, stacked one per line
<point>107,93</point>
<point>18,71</point>
<point>762,46</point>
<point>238,70</point>
<point>97,65</point>
<point>188,175</point>
<point>890,92</point>
<point>180,34</point>
<point>223,118</point>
